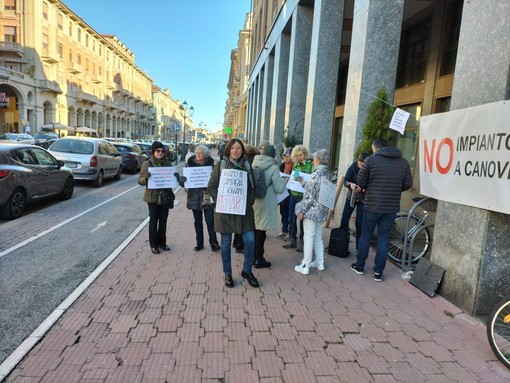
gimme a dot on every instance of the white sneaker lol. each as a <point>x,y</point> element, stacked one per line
<point>301,268</point>
<point>316,265</point>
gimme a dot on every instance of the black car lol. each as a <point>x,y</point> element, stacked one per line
<point>132,156</point>
<point>44,140</point>
<point>27,174</point>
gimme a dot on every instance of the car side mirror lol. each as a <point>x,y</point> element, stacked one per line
<point>60,163</point>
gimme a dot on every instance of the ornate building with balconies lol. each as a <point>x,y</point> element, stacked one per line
<point>55,68</point>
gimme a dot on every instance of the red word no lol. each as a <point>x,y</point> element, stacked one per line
<point>432,156</point>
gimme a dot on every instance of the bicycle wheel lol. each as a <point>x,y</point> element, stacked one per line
<point>498,331</point>
<point>421,242</point>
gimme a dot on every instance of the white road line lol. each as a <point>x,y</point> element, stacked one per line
<point>43,233</point>
<point>24,348</point>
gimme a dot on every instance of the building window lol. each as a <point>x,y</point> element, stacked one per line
<point>9,34</point>
<point>78,35</point>
<point>414,51</point>
<point>100,51</point>
<point>45,41</point>
<point>86,65</point>
<point>71,29</point>
<point>60,51</point>
<point>451,38</point>
<point>408,142</point>
<point>10,5</point>
<point>70,56</point>
<point>60,22</point>
<point>45,11</point>
<point>78,59</point>
<point>443,105</point>
<point>87,41</point>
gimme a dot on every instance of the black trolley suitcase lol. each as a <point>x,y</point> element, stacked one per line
<point>339,243</point>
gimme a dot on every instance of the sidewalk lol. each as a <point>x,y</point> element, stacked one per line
<point>168,318</point>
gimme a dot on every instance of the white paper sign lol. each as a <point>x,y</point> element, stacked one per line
<point>296,185</point>
<point>327,193</point>
<point>232,192</point>
<point>162,177</point>
<point>197,176</point>
<point>399,120</point>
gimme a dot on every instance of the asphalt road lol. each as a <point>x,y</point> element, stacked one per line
<point>57,245</point>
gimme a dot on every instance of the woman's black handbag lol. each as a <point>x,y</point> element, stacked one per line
<point>166,198</point>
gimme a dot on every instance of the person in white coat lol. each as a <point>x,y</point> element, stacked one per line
<point>266,209</point>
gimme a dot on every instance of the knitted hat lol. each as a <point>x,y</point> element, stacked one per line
<point>156,145</point>
<point>269,151</point>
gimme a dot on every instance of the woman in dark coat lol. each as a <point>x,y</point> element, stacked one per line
<point>158,214</point>
<point>195,201</point>
<point>226,224</point>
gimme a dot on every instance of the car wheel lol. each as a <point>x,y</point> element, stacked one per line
<point>67,191</point>
<point>98,182</point>
<point>15,205</point>
<point>119,173</point>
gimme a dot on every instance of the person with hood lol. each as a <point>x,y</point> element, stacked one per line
<point>384,175</point>
<point>313,214</point>
<point>158,213</point>
<point>302,164</point>
<point>197,203</point>
<point>227,224</point>
<point>265,209</point>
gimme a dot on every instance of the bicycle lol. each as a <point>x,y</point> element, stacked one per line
<point>498,331</point>
<point>411,232</point>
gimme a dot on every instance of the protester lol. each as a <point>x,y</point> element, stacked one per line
<point>158,214</point>
<point>250,153</point>
<point>266,214</point>
<point>384,175</point>
<point>313,214</point>
<point>226,224</point>
<point>302,164</point>
<point>191,152</point>
<point>287,166</point>
<point>357,201</point>
<point>198,204</point>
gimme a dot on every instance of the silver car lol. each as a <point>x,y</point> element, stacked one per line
<point>90,159</point>
<point>29,173</point>
<point>18,137</point>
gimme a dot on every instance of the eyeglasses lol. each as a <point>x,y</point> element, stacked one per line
<point>160,150</point>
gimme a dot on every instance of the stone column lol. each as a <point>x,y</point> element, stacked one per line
<point>267,88</point>
<point>473,244</point>
<point>323,73</point>
<point>299,59</point>
<point>280,75</point>
<point>373,63</point>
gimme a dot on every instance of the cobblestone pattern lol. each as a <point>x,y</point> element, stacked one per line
<point>168,318</point>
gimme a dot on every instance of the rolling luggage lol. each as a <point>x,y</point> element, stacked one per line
<point>339,243</point>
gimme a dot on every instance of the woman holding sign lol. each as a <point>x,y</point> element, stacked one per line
<point>158,212</point>
<point>232,187</point>
<point>199,202</point>
<point>313,214</point>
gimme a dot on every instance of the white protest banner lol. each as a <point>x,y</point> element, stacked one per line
<point>162,177</point>
<point>296,185</point>
<point>280,197</point>
<point>399,120</point>
<point>464,156</point>
<point>197,176</point>
<point>232,192</point>
<point>327,193</point>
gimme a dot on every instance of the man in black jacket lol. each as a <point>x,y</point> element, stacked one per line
<point>384,175</point>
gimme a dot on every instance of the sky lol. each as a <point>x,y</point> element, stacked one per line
<point>183,45</point>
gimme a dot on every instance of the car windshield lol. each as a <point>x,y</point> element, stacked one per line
<point>73,146</point>
<point>43,136</point>
<point>8,136</point>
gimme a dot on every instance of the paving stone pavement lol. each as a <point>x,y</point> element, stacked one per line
<point>168,318</point>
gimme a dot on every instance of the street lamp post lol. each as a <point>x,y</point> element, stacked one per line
<point>185,113</point>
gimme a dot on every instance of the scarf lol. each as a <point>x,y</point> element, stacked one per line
<point>288,167</point>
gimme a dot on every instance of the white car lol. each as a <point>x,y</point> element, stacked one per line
<point>23,138</point>
<point>90,159</point>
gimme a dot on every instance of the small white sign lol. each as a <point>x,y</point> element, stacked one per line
<point>197,176</point>
<point>295,185</point>
<point>399,120</point>
<point>162,177</point>
<point>327,193</point>
<point>232,192</point>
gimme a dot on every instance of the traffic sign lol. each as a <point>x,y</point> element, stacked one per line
<point>176,127</point>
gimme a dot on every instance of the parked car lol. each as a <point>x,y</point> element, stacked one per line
<point>44,140</point>
<point>90,159</point>
<point>170,153</point>
<point>24,138</point>
<point>27,174</point>
<point>132,156</point>
<point>145,146</point>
